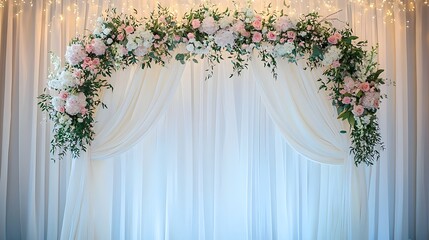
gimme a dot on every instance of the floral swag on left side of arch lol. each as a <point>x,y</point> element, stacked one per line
<point>351,74</point>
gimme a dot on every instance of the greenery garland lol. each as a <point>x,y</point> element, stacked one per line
<point>351,74</point>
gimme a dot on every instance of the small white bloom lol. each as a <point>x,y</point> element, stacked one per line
<point>190,47</point>
<point>106,31</point>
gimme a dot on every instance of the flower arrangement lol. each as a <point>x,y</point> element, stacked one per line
<point>351,73</point>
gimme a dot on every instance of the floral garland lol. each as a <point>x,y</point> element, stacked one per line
<point>352,77</point>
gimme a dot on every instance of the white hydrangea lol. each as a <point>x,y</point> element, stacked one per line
<point>224,38</point>
<point>284,49</point>
<point>333,54</point>
<point>75,54</point>
<point>58,103</point>
<point>226,21</point>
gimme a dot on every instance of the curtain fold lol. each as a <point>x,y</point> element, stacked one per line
<point>141,97</point>
<point>392,195</point>
<point>302,113</point>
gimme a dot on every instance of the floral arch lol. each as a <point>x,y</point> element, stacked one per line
<point>351,73</point>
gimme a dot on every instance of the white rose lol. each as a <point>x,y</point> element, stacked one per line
<point>106,31</point>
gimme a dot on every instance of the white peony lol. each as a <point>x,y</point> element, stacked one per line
<point>333,54</point>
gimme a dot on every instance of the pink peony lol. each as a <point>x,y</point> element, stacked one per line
<point>370,100</point>
<point>209,25</point>
<point>257,24</point>
<point>349,83</point>
<point>99,46</point>
<point>196,23</point>
<point>346,100</point>
<point>364,86</point>
<point>239,27</point>
<point>271,36</point>
<point>257,37</point>
<point>358,110</point>
<point>283,24</point>
<point>129,29</point>
<point>120,37</point>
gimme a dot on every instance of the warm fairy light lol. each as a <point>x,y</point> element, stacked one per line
<point>371,8</point>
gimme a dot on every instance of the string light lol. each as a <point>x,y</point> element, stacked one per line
<point>371,8</point>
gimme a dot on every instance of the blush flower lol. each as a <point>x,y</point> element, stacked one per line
<point>257,37</point>
<point>129,29</point>
<point>75,54</point>
<point>209,25</point>
<point>346,100</point>
<point>195,23</point>
<point>271,36</point>
<point>364,86</point>
<point>358,110</point>
<point>257,24</point>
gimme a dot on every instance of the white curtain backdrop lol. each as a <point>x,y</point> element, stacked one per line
<point>213,164</point>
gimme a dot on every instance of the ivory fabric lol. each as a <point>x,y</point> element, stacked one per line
<point>175,180</point>
<point>302,113</point>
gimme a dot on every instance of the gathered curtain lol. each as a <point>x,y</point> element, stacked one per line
<point>213,161</point>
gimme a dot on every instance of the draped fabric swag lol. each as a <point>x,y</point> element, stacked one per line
<point>247,157</point>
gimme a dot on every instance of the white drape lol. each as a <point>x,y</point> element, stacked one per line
<point>302,113</point>
<point>33,190</point>
<point>143,96</point>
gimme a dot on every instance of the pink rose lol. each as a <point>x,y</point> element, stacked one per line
<point>121,37</point>
<point>129,29</point>
<point>257,37</point>
<point>335,64</point>
<point>257,24</point>
<point>191,36</point>
<point>83,111</point>
<point>291,35</point>
<point>271,36</point>
<point>346,100</point>
<point>309,27</point>
<point>342,91</point>
<point>358,110</point>
<point>96,61</point>
<point>156,36</point>
<point>61,109</point>
<point>364,86</point>
<point>338,35</point>
<point>332,40</point>
<point>63,95</point>
<point>239,27</point>
<point>177,38</point>
<point>282,40</point>
<point>89,48</point>
<point>196,23</point>
<point>245,34</point>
